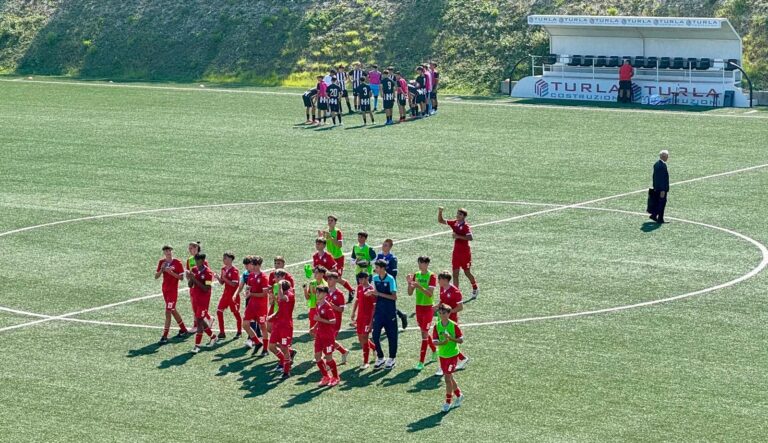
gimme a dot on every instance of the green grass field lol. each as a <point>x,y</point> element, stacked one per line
<point>248,177</point>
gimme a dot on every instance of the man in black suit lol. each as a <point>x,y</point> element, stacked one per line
<point>660,186</point>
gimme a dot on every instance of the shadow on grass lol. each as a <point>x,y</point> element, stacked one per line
<point>650,226</point>
<point>179,360</point>
<point>305,397</point>
<point>149,349</point>
<point>237,352</point>
<point>259,379</point>
<point>429,422</point>
<point>427,384</point>
<point>359,378</point>
<point>401,378</point>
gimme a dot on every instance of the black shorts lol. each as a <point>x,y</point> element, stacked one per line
<point>344,94</point>
<point>354,93</point>
<point>433,95</point>
<point>322,103</point>
<point>333,104</point>
<point>307,101</point>
<point>401,99</point>
<point>389,104</point>
<point>421,98</point>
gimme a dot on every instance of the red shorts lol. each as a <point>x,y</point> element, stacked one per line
<point>461,260</point>
<point>312,314</point>
<point>200,304</point>
<point>339,265</point>
<point>255,311</point>
<point>226,301</point>
<point>448,365</point>
<point>325,345</point>
<point>424,317</point>
<point>363,326</point>
<point>281,334</point>
<point>170,297</point>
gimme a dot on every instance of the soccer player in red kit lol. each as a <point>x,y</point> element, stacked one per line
<point>462,254</point>
<point>337,300</point>
<point>201,278</point>
<point>451,296</point>
<point>230,279</point>
<point>326,260</point>
<point>273,280</point>
<point>256,306</point>
<point>172,271</point>
<point>281,336</point>
<point>195,248</point>
<point>363,310</point>
<point>325,336</point>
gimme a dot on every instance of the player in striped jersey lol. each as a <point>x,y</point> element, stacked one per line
<point>363,95</point>
<point>341,76</point>
<point>357,77</point>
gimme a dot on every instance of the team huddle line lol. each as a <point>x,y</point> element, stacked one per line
<point>420,94</point>
<point>270,301</point>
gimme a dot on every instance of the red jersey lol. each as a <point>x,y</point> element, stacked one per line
<point>325,260</point>
<point>170,283</point>
<point>336,297</point>
<point>451,296</point>
<point>273,279</point>
<point>625,72</point>
<point>205,275</point>
<point>230,274</point>
<point>325,312</point>
<point>403,86</point>
<point>460,228</point>
<point>365,304</point>
<point>258,283</point>
<point>284,315</point>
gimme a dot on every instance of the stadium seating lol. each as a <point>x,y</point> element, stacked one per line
<point>575,60</point>
<point>704,64</point>
<point>613,61</point>
<point>550,59</point>
<point>651,62</point>
<point>601,61</point>
<point>691,63</point>
<point>664,62</point>
<point>729,66</point>
<point>678,63</point>
<point>588,60</point>
<point>639,62</point>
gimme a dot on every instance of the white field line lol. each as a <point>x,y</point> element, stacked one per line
<point>518,217</point>
<point>756,270</point>
<point>447,100</point>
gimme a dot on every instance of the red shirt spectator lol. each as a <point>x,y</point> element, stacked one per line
<point>626,72</point>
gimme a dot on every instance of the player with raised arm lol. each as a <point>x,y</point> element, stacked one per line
<point>256,306</point>
<point>462,253</point>
<point>326,260</point>
<point>423,284</point>
<point>336,299</point>
<point>362,315</point>
<point>230,279</point>
<point>325,336</point>
<point>281,336</point>
<point>447,336</point>
<point>172,271</point>
<point>201,278</point>
<point>388,94</point>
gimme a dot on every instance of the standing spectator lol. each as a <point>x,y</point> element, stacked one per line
<point>391,259</point>
<point>660,186</point>
<point>374,79</point>
<point>385,314</point>
<point>625,82</point>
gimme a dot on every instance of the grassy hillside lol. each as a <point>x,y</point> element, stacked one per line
<point>279,42</point>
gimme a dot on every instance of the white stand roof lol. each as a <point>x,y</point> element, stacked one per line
<point>647,36</point>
